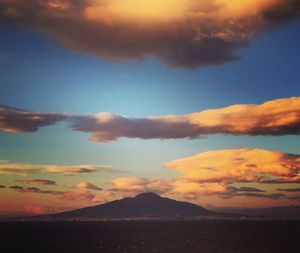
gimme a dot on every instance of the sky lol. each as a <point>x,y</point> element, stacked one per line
<point>101,100</point>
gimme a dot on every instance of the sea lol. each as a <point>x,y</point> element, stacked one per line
<point>151,236</point>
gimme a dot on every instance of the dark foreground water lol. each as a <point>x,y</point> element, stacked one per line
<point>200,236</point>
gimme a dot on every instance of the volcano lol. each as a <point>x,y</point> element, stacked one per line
<point>142,206</point>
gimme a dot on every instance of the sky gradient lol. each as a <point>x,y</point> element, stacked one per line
<point>106,99</point>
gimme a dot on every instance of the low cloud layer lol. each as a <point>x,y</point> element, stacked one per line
<point>65,195</point>
<point>290,190</point>
<point>36,181</point>
<point>225,173</point>
<point>275,117</point>
<point>194,34</point>
<point>24,169</point>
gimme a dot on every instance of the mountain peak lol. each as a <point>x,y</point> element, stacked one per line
<point>147,195</point>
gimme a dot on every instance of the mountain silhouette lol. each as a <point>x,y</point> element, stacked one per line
<point>144,205</point>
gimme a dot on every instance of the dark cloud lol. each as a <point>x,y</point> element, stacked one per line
<point>16,120</point>
<point>248,189</point>
<point>16,187</point>
<point>194,34</point>
<point>78,170</point>
<point>294,198</point>
<point>36,181</point>
<point>274,196</point>
<point>290,190</point>
<point>66,195</point>
<point>33,189</point>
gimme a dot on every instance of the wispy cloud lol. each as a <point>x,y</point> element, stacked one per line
<point>275,117</point>
<point>194,34</point>
<point>25,169</point>
<point>36,181</point>
<point>66,195</point>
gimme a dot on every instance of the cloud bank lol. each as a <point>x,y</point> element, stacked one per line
<point>225,173</point>
<point>194,34</point>
<point>65,195</point>
<point>24,169</point>
<point>275,117</point>
<point>239,165</point>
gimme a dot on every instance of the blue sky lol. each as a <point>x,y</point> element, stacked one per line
<point>38,74</point>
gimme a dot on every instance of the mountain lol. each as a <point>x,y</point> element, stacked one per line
<point>145,205</point>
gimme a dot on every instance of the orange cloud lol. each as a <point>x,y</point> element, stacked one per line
<point>238,165</point>
<point>194,34</point>
<point>275,117</point>
<point>62,195</point>
<point>39,210</point>
<point>186,187</point>
<point>221,173</point>
<point>88,186</point>
<point>137,185</point>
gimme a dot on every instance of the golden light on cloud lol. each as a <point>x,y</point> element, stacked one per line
<point>23,169</point>
<point>275,117</point>
<point>147,11</point>
<point>117,11</point>
<point>181,33</point>
<point>239,165</point>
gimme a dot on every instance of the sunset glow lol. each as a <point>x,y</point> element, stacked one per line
<point>195,100</point>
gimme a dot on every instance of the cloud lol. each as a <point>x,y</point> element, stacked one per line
<point>78,196</point>
<point>273,196</point>
<point>246,189</point>
<point>16,187</point>
<point>80,170</point>
<point>275,117</point>
<point>238,165</point>
<point>18,121</point>
<point>290,190</point>
<point>36,181</point>
<point>88,186</point>
<point>23,169</point>
<point>2,186</point>
<point>39,209</point>
<point>64,195</point>
<point>136,185</point>
<point>194,34</point>
<point>295,198</point>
